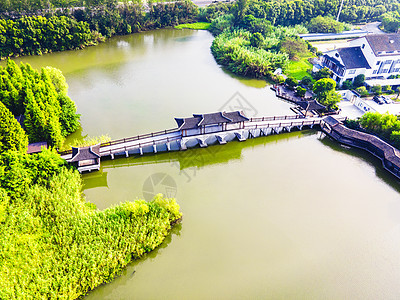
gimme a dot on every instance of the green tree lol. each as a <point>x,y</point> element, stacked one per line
<point>325,94</point>
<point>376,89</point>
<point>359,80</point>
<point>291,82</point>
<point>12,136</point>
<point>239,10</point>
<point>325,25</point>
<point>294,47</point>
<point>306,81</point>
<point>256,40</point>
<point>363,91</point>
<point>322,73</point>
<point>301,92</point>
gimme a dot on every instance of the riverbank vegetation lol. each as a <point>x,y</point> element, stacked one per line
<point>53,243</point>
<point>197,26</point>
<point>40,100</point>
<point>43,31</point>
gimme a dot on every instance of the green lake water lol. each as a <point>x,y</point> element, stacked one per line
<point>293,216</point>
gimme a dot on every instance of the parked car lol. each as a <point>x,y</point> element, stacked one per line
<point>387,100</point>
<point>379,100</point>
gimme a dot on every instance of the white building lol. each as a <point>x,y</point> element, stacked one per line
<point>377,56</point>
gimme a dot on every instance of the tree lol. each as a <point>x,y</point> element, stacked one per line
<point>12,136</point>
<point>325,25</point>
<point>391,21</point>
<point>325,93</point>
<point>322,73</point>
<point>301,92</point>
<point>376,89</point>
<point>293,47</point>
<point>291,82</point>
<point>359,80</point>
<point>306,81</point>
<point>256,40</point>
<point>363,91</point>
<point>239,10</point>
<point>347,85</point>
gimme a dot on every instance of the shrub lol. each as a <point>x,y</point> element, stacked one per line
<point>291,82</point>
<point>301,92</point>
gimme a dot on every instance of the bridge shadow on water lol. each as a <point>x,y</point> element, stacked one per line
<point>192,158</point>
<point>365,156</point>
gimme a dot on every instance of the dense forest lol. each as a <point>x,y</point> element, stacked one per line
<point>77,28</point>
<point>53,243</point>
<point>41,98</point>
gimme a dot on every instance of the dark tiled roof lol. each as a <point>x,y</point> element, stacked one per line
<point>353,58</point>
<point>338,63</point>
<point>36,147</point>
<point>84,153</point>
<point>235,116</point>
<point>384,42</point>
<point>311,105</point>
<point>212,118</point>
<point>188,123</point>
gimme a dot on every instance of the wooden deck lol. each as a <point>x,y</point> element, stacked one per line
<point>389,155</point>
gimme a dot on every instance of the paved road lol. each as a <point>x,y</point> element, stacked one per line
<point>372,28</point>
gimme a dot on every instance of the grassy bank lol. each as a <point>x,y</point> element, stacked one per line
<point>197,26</point>
<point>298,69</point>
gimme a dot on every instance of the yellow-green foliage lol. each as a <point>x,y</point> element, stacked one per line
<point>89,141</point>
<point>56,245</point>
<point>198,26</point>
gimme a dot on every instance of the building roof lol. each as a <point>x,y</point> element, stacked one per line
<point>187,123</point>
<point>84,153</point>
<point>384,43</point>
<point>36,147</point>
<point>353,58</point>
<point>311,105</point>
<point>235,116</point>
<point>210,119</point>
<point>338,63</point>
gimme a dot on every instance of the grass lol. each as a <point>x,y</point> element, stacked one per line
<point>298,69</point>
<point>197,26</point>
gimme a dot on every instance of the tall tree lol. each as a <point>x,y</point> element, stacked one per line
<point>12,136</point>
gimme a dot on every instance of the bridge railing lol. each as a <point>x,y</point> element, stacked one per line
<point>284,124</point>
<point>276,118</point>
<point>126,140</point>
<point>137,146</point>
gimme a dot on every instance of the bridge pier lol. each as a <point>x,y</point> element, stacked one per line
<point>126,154</point>
<point>182,145</point>
<point>240,136</point>
<point>154,148</point>
<point>141,151</point>
<point>168,146</point>
<point>202,143</point>
<point>220,139</point>
<point>112,156</point>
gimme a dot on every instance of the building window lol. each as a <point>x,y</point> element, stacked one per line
<point>396,70</point>
<point>352,71</point>
<point>388,62</point>
<point>363,46</point>
<point>375,71</point>
<point>377,63</point>
<point>385,70</point>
